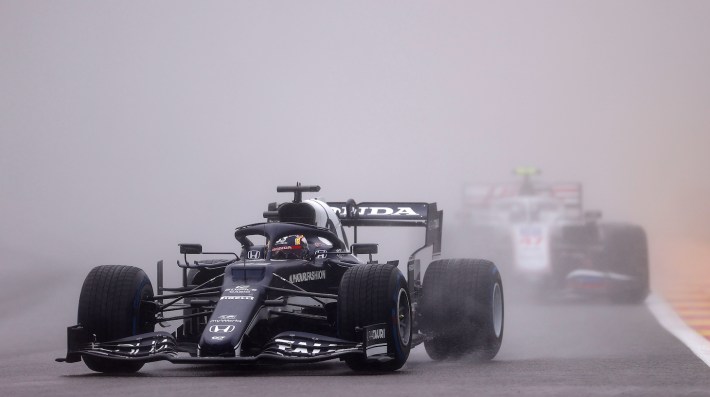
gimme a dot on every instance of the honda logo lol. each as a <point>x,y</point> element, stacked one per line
<point>253,254</point>
<point>221,328</point>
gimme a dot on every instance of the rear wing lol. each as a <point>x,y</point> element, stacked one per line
<point>407,214</point>
<point>480,196</point>
<point>570,193</point>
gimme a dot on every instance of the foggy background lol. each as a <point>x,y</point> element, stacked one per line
<point>129,127</point>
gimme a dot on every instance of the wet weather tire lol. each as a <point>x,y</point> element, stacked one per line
<point>462,309</point>
<point>375,294</point>
<point>626,253</point>
<point>111,307</point>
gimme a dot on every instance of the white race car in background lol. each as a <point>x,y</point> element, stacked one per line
<point>539,234</point>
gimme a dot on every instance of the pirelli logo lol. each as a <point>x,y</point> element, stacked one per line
<point>237,297</point>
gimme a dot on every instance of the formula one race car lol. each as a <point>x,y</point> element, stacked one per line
<point>539,234</point>
<point>297,292</point>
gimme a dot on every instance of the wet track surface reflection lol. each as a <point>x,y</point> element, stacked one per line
<point>552,349</point>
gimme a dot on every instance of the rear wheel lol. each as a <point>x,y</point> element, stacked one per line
<point>462,309</point>
<point>376,294</point>
<point>111,306</point>
<point>626,253</point>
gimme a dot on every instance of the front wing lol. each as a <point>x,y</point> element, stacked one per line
<point>162,346</point>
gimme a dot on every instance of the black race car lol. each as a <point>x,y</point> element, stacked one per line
<point>297,292</point>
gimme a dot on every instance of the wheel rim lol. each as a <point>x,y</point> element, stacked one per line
<point>497,310</point>
<point>404,320</point>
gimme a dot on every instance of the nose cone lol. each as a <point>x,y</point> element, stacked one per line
<point>226,327</point>
<point>220,340</point>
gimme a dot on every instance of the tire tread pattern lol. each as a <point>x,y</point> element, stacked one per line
<point>365,298</point>
<point>109,308</point>
<point>456,308</point>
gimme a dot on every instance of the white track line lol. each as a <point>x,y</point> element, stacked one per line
<point>670,320</point>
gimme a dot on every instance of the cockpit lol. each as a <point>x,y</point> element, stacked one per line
<point>266,241</point>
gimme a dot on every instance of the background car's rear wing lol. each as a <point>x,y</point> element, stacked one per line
<point>482,195</point>
<point>408,214</point>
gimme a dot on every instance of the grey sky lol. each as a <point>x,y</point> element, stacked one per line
<point>144,124</point>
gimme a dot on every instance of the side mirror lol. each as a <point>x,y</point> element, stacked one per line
<point>191,249</point>
<point>363,248</point>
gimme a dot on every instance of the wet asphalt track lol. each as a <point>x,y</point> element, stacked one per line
<point>548,350</point>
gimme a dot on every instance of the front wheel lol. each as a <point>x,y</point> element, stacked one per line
<point>112,306</point>
<point>462,309</point>
<point>370,295</point>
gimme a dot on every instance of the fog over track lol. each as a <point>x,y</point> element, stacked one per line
<point>126,128</point>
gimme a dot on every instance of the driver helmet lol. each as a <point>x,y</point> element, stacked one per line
<point>294,246</point>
